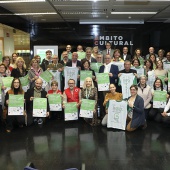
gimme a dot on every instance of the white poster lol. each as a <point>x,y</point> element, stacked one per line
<point>119,64</point>
<point>117,114</point>
<point>140,70</point>
<point>70,73</point>
<point>56,77</point>
<point>126,80</point>
<point>151,78</point>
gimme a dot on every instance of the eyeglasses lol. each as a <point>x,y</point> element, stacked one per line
<point>16,82</point>
<point>71,83</point>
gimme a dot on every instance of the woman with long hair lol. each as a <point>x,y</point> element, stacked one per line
<point>152,57</point>
<point>19,69</point>
<point>90,92</point>
<point>148,66</point>
<point>155,113</point>
<point>95,52</point>
<point>16,89</point>
<point>161,73</point>
<point>13,59</point>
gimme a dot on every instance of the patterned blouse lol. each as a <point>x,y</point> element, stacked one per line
<point>90,94</point>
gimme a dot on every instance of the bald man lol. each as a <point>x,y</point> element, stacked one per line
<point>36,92</point>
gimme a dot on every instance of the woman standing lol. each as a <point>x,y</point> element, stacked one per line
<point>155,113</point>
<point>19,68</point>
<point>161,73</point>
<point>13,59</point>
<point>117,56</point>
<point>136,115</point>
<point>90,92</point>
<point>113,95</point>
<point>145,92</point>
<point>86,66</point>
<point>3,70</point>
<point>138,55</point>
<point>95,52</point>
<point>16,89</point>
<point>152,57</point>
<point>6,62</point>
<point>34,72</point>
<point>148,66</point>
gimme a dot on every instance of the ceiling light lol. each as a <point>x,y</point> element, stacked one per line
<point>20,1</point>
<point>82,13</point>
<point>140,13</point>
<point>42,13</point>
<point>106,21</point>
<point>86,0</point>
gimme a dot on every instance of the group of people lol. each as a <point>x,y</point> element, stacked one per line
<point>139,99</point>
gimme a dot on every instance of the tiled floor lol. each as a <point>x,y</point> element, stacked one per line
<point>59,145</point>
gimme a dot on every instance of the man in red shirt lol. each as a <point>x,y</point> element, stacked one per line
<point>72,93</point>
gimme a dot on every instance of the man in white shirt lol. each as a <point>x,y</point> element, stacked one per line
<point>125,56</point>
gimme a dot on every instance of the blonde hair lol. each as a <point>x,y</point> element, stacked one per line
<point>33,60</point>
<point>17,60</point>
<point>92,84</point>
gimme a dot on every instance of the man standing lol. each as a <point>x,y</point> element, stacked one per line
<point>55,65</point>
<point>108,51</point>
<point>151,51</point>
<point>46,61</point>
<point>68,49</point>
<point>99,58</point>
<point>36,92</point>
<point>88,56</point>
<point>74,62</point>
<point>125,56</point>
<point>110,68</point>
<point>127,66</point>
<point>112,71</point>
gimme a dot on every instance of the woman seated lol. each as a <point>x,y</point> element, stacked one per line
<point>90,92</point>
<point>113,95</point>
<point>136,115</point>
<point>16,89</point>
<point>55,90</point>
<point>145,92</point>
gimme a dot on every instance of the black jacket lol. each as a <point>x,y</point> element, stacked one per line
<point>29,104</point>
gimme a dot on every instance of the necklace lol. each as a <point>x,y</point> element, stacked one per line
<point>88,93</point>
